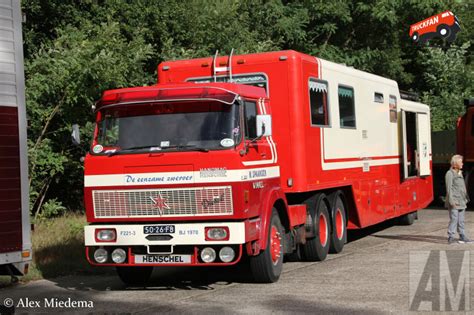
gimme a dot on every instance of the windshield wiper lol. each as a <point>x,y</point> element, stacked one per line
<point>158,148</point>
<point>133,148</point>
<point>193,147</point>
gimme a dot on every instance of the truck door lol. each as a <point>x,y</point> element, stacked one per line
<point>261,151</point>
<point>423,154</point>
<point>415,144</point>
<point>407,146</point>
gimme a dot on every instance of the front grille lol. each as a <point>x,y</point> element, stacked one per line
<point>203,201</point>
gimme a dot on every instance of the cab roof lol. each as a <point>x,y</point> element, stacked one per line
<point>226,93</point>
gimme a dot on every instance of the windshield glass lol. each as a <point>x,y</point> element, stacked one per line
<point>172,126</point>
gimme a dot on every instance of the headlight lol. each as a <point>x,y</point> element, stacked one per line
<point>100,255</point>
<point>226,254</point>
<point>217,233</point>
<point>119,255</point>
<point>105,235</point>
<point>208,255</point>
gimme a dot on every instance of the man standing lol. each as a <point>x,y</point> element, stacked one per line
<point>456,200</point>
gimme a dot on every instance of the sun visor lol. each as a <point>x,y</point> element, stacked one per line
<point>203,93</point>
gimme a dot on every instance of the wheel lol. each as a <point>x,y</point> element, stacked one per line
<point>134,276</point>
<point>266,267</point>
<point>444,31</point>
<point>407,219</point>
<point>317,247</point>
<point>339,226</point>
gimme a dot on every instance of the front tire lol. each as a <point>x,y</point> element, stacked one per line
<point>267,266</point>
<point>134,276</point>
<point>317,247</point>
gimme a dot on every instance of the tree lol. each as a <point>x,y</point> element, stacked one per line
<point>63,79</point>
<point>448,81</point>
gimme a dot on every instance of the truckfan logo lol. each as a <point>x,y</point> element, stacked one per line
<point>160,203</point>
<point>444,25</point>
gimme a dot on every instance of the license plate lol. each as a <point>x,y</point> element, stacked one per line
<point>158,229</point>
<point>163,259</point>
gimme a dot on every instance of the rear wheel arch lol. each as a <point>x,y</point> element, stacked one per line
<point>350,207</point>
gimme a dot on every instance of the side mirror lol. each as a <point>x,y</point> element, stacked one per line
<point>76,135</point>
<point>264,125</point>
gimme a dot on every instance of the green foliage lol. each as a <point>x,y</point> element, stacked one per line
<point>447,82</point>
<point>63,79</point>
<point>74,50</point>
<point>51,208</point>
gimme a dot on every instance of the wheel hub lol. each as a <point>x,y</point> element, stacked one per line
<point>323,230</point>
<point>339,224</point>
<point>275,245</point>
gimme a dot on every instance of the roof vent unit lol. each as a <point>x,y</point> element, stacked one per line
<point>411,96</point>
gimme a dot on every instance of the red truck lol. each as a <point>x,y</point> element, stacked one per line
<point>449,142</point>
<point>15,242</point>
<point>262,155</point>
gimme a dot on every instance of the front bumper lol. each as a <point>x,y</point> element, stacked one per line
<point>186,242</point>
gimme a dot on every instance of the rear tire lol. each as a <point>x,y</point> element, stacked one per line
<point>317,247</point>
<point>339,226</point>
<point>407,219</point>
<point>266,267</point>
<point>134,276</point>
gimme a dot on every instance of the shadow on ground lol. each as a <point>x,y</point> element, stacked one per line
<point>166,278</point>
<point>416,238</point>
<point>354,235</point>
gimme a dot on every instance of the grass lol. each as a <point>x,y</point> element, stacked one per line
<point>58,249</point>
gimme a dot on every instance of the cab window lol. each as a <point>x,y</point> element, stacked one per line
<point>250,109</point>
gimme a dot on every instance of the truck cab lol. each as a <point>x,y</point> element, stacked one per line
<point>187,156</point>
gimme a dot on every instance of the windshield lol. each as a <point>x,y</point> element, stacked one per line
<point>172,126</point>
